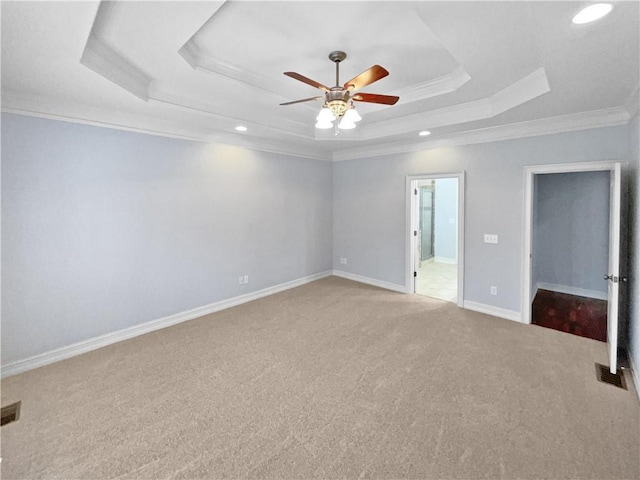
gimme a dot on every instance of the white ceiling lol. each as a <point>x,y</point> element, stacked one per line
<point>467,71</point>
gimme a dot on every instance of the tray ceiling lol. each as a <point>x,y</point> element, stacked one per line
<point>466,71</point>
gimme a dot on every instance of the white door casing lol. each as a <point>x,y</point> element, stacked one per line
<point>411,222</point>
<point>614,241</point>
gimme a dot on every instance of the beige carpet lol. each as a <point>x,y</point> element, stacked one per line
<point>334,379</point>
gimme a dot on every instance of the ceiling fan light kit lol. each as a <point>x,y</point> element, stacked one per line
<point>338,100</point>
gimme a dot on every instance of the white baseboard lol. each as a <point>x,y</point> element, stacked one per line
<point>634,373</point>
<point>371,281</point>
<point>581,292</point>
<point>450,261</point>
<point>495,311</point>
<point>103,340</point>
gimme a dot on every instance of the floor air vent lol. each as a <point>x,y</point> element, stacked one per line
<point>604,375</point>
<point>10,413</point>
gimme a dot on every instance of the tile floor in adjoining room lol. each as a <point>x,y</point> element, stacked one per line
<point>438,280</point>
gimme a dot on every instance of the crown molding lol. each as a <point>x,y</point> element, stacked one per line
<point>268,146</point>
<point>433,88</point>
<point>217,66</point>
<point>527,88</point>
<point>632,102</point>
<point>88,115</point>
<point>65,111</point>
<point>105,61</point>
<point>545,126</point>
<point>193,55</point>
<point>72,118</point>
<point>296,129</point>
<point>200,59</point>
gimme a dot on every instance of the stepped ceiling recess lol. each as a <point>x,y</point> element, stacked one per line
<point>467,72</point>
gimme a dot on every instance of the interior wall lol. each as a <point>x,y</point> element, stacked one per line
<point>571,232</point>
<point>104,229</point>
<point>369,205</point>
<point>633,270</point>
<point>445,215</point>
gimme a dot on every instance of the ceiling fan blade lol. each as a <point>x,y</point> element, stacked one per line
<point>376,98</point>
<point>367,77</point>
<point>303,100</point>
<point>306,80</point>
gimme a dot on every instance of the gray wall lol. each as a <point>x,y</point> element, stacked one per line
<point>104,229</point>
<point>369,205</point>
<point>633,271</point>
<point>571,230</point>
<point>446,208</point>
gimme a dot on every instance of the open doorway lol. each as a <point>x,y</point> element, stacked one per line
<point>570,241</point>
<point>435,266</point>
<point>609,224</point>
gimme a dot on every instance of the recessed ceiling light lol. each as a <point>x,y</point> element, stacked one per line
<point>592,13</point>
<point>424,133</point>
<point>241,128</point>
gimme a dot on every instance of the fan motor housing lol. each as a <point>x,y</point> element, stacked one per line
<point>337,93</point>
<point>337,100</point>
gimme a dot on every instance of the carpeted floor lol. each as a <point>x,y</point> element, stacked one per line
<point>333,379</point>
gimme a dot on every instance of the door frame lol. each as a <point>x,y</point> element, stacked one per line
<point>409,227</point>
<point>529,173</point>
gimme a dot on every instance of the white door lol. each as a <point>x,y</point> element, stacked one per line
<point>613,275</point>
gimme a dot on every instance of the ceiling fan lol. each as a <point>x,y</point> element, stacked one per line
<point>338,100</point>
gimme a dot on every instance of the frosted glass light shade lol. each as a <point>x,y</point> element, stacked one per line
<point>324,124</point>
<point>352,116</point>
<point>325,115</point>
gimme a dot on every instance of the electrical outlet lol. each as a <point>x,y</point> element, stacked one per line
<point>490,238</point>
<point>343,261</point>
<point>246,279</point>
<point>241,281</point>
<point>494,290</point>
